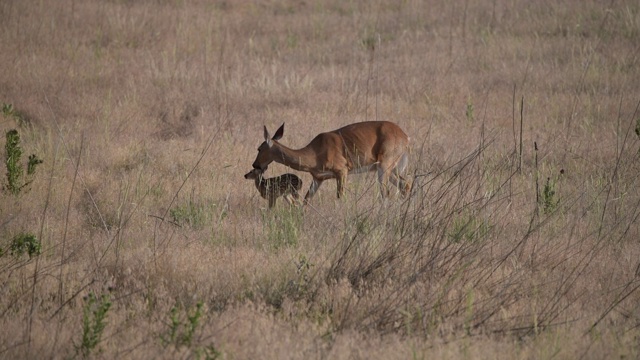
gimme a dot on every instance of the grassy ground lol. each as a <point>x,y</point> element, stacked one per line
<point>152,245</point>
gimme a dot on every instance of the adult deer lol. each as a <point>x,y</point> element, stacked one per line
<point>379,146</point>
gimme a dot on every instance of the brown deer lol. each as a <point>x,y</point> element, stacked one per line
<point>379,146</point>
<point>286,185</point>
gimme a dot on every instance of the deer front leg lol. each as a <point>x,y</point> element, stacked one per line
<point>341,181</point>
<point>315,184</point>
<point>402,183</point>
<point>272,200</point>
<point>397,178</point>
<point>383,179</point>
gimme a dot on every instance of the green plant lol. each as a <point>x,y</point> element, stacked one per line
<point>9,111</point>
<point>32,163</point>
<point>13,154</point>
<point>15,171</point>
<point>468,227</point>
<point>94,315</point>
<point>25,242</point>
<point>207,352</point>
<point>301,285</point>
<point>369,42</point>
<point>283,226</point>
<point>194,214</point>
<point>469,312</point>
<point>292,40</point>
<point>549,198</point>
<point>469,111</point>
<point>362,223</point>
<point>181,331</point>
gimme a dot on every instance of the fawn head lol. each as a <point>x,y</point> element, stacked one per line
<point>253,174</point>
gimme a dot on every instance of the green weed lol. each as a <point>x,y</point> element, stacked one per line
<point>9,111</point>
<point>283,226</point>
<point>549,198</point>
<point>15,170</point>
<point>469,111</point>
<point>195,214</point>
<point>468,228</point>
<point>292,40</point>
<point>181,331</point>
<point>300,286</point>
<point>94,315</point>
<point>207,352</point>
<point>369,42</point>
<point>25,242</point>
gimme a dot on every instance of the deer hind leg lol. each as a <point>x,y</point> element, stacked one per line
<point>383,179</point>
<point>401,183</point>
<point>390,167</point>
<point>397,178</point>
<point>272,200</point>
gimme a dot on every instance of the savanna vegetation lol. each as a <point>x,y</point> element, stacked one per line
<point>127,229</point>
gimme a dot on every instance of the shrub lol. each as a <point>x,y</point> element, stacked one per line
<point>25,242</point>
<point>549,198</point>
<point>181,331</point>
<point>468,228</point>
<point>94,315</point>
<point>283,226</point>
<point>15,171</point>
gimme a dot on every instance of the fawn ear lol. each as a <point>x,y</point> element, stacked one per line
<point>279,132</point>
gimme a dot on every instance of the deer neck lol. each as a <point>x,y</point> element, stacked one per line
<point>301,159</point>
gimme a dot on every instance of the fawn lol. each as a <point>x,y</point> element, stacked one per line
<point>286,185</point>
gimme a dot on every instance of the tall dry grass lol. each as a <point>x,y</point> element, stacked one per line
<point>148,113</point>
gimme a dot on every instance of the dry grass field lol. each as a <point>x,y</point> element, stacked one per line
<point>138,237</point>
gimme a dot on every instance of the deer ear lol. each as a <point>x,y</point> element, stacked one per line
<point>278,134</point>
<point>267,137</point>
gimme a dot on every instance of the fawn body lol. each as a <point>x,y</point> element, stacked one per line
<point>286,185</point>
